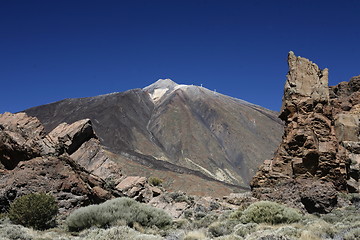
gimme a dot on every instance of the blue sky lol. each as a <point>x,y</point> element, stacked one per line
<point>51,50</point>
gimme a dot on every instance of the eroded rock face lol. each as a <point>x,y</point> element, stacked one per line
<point>19,138</point>
<point>32,161</point>
<point>321,124</point>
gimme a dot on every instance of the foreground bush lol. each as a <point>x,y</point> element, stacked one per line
<point>268,212</point>
<point>116,233</point>
<point>34,210</point>
<point>112,211</point>
<point>13,232</point>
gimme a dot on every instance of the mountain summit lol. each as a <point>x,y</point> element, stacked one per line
<point>161,88</point>
<point>176,128</point>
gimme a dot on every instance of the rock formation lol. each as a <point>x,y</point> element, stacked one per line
<point>32,161</point>
<point>321,136</point>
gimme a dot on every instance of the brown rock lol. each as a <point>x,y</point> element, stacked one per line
<point>130,182</point>
<point>310,165</point>
<point>32,161</point>
<point>55,175</point>
<point>354,84</point>
<point>72,136</point>
<point>97,161</point>
<point>347,127</point>
<point>18,138</point>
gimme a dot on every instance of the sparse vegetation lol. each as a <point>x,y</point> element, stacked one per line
<point>109,183</point>
<point>195,235</point>
<point>268,212</point>
<point>124,218</point>
<point>13,232</point>
<point>110,212</point>
<point>155,181</point>
<point>34,210</point>
<point>222,228</point>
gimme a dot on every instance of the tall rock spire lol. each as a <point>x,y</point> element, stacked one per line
<point>310,165</point>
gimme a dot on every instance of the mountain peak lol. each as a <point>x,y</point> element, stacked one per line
<point>162,83</point>
<point>160,88</point>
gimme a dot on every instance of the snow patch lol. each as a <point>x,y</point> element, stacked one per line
<point>157,94</point>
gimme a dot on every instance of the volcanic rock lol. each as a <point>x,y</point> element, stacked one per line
<point>32,161</point>
<point>312,164</point>
<point>19,136</point>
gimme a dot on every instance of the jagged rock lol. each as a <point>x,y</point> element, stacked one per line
<point>347,127</point>
<point>95,159</point>
<point>311,164</point>
<point>305,79</point>
<point>72,136</point>
<point>240,199</point>
<point>138,188</point>
<point>354,84</point>
<point>131,182</point>
<point>32,161</point>
<point>18,138</point>
<point>353,185</point>
<point>60,176</point>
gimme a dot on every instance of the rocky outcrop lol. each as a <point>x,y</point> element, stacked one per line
<point>19,138</point>
<point>312,162</point>
<point>32,161</point>
<point>138,188</point>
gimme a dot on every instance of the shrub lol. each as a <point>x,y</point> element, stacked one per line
<point>116,233</point>
<point>155,181</point>
<point>218,229</point>
<point>195,235</point>
<point>13,232</point>
<point>111,211</point>
<point>352,234</point>
<point>229,237</point>
<point>206,220</point>
<point>243,230</point>
<point>179,197</point>
<point>3,218</point>
<point>188,214</point>
<point>34,210</point>
<point>181,224</point>
<point>269,212</point>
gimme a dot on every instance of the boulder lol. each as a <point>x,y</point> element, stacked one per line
<point>72,136</point>
<point>19,136</point>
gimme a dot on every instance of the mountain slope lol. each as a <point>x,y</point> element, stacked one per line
<point>189,126</point>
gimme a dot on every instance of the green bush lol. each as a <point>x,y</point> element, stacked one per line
<point>269,212</point>
<point>243,230</point>
<point>217,229</point>
<point>34,210</point>
<point>155,181</point>
<point>206,220</point>
<point>120,209</point>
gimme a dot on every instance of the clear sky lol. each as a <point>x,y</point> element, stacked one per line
<point>56,49</point>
